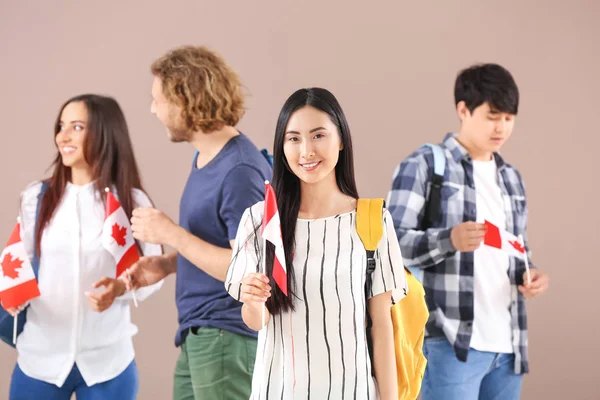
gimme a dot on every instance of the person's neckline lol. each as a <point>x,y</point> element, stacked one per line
<point>219,155</point>
<point>328,217</point>
<point>78,188</point>
<point>491,161</point>
<point>489,164</point>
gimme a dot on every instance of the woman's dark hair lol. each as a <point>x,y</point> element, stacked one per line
<point>108,151</point>
<point>287,185</point>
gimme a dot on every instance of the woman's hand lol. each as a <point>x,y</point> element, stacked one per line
<point>102,301</point>
<point>14,311</point>
<point>255,290</point>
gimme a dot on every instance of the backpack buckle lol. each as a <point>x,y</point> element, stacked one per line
<point>370,261</point>
<point>437,181</point>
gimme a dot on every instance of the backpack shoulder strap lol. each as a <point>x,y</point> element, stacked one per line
<point>268,156</point>
<point>35,263</point>
<point>369,222</point>
<point>369,226</point>
<point>434,201</point>
<point>439,159</point>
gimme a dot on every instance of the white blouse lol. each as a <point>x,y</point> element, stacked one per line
<point>62,329</point>
<point>320,350</point>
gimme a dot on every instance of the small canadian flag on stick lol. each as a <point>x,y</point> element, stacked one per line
<point>17,279</point>
<point>117,237</point>
<point>507,242</point>
<point>271,231</point>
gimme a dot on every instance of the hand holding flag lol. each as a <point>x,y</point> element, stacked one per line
<point>18,284</point>
<point>507,242</point>
<point>538,285</point>
<point>537,281</point>
<point>467,236</point>
<point>255,290</point>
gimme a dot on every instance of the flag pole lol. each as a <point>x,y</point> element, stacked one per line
<point>526,261</point>
<point>15,328</point>
<point>262,319</point>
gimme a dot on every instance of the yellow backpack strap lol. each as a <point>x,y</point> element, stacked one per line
<point>369,222</point>
<point>369,226</point>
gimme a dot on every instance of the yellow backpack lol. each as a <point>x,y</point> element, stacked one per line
<point>409,315</point>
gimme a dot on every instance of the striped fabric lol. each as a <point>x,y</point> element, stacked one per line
<point>320,350</point>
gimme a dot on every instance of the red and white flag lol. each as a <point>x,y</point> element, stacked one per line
<point>503,240</point>
<point>271,231</point>
<point>117,237</point>
<point>17,279</point>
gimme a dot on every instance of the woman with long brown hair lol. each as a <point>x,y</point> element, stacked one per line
<point>77,338</point>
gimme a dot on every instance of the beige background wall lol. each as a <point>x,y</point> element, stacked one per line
<point>392,66</point>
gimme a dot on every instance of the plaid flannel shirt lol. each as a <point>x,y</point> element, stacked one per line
<point>447,273</point>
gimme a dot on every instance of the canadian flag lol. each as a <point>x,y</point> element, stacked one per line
<point>271,231</point>
<point>503,240</point>
<point>117,237</point>
<point>17,280</point>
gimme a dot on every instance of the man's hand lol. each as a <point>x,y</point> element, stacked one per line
<point>100,302</point>
<point>152,226</point>
<point>147,271</point>
<point>467,236</point>
<point>539,284</point>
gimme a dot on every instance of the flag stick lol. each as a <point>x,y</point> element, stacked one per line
<point>262,319</point>
<point>526,261</point>
<point>264,270</point>
<point>15,328</point>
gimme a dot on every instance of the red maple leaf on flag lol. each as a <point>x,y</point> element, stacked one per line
<point>118,233</point>
<point>517,246</point>
<point>10,266</point>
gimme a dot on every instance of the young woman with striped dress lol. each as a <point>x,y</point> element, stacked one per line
<point>314,343</point>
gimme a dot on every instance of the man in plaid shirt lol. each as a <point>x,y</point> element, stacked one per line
<point>476,336</point>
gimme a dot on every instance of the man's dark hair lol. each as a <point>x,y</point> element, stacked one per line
<point>489,83</point>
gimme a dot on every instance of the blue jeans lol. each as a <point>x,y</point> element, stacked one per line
<point>485,376</point>
<point>123,387</point>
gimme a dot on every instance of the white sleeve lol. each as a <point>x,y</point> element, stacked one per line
<point>389,273</point>
<point>246,257</point>
<point>27,213</point>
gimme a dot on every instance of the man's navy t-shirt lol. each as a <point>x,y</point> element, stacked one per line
<point>212,204</point>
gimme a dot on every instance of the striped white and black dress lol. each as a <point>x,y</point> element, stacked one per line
<point>320,350</point>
